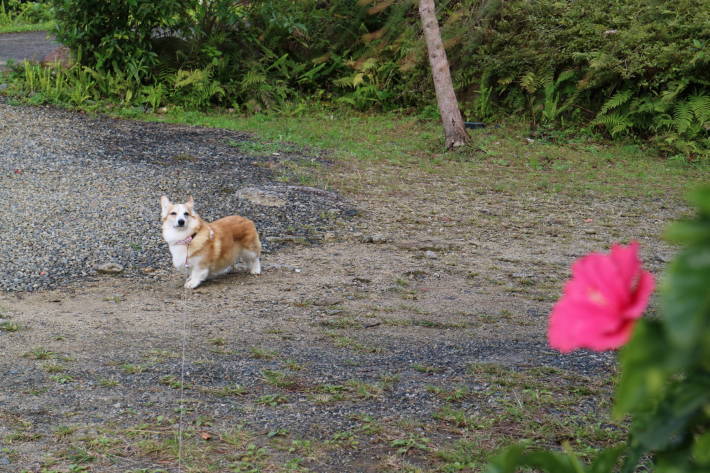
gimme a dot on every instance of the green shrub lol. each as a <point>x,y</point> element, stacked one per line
<point>629,67</point>
<point>116,36</point>
<point>17,12</point>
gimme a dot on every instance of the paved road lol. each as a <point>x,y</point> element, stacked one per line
<point>30,45</point>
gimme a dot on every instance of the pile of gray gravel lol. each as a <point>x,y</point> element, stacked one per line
<point>80,192</point>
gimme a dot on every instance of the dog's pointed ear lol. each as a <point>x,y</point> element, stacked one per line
<point>164,206</point>
<point>190,203</point>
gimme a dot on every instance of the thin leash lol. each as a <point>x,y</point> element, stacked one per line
<point>182,377</point>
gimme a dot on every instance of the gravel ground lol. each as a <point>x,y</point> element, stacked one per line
<point>431,278</point>
<point>84,191</point>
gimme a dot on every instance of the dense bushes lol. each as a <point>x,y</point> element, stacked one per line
<point>23,12</point>
<point>253,55</point>
<point>115,36</point>
<point>624,68</point>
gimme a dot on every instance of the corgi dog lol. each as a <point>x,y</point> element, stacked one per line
<point>201,249</point>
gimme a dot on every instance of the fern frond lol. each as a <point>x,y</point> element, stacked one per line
<point>661,122</point>
<point>614,123</point>
<point>565,76</point>
<point>700,105</point>
<point>670,95</point>
<point>616,101</point>
<point>682,116</point>
<point>252,78</point>
<point>529,82</point>
<point>184,78</point>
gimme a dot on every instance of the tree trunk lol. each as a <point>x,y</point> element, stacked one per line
<point>454,131</point>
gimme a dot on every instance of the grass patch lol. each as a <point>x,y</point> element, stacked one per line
<point>546,406</point>
<point>21,27</point>
<point>342,341</point>
<point>279,379</point>
<point>39,353</point>
<point>9,326</point>
<point>272,400</point>
<point>428,369</point>
<point>262,354</point>
<point>130,368</point>
<point>511,162</point>
<point>108,383</point>
<point>173,382</point>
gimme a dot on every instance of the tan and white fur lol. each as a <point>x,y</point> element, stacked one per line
<point>201,249</point>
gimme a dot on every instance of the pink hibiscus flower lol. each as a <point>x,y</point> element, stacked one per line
<point>602,301</point>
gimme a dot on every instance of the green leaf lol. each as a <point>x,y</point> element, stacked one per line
<point>605,461</point>
<point>700,197</point>
<point>701,449</point>
<point>514,458</point>
<point>671,419</point>
<point>686,301</point>
<point>643,369</point>
<point>688,232</point>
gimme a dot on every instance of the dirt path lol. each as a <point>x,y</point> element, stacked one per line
<point>413,328</point>
<point>33,45</point>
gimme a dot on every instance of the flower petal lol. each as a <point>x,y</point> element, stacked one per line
<point>602,300</point>
<point>644,287</point>
<point>580,323</point>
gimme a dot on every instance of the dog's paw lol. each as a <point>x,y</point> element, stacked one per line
<point>255,267</point>
<point>192,283</point>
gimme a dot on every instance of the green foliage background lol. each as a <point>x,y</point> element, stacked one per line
<point>624,68</point>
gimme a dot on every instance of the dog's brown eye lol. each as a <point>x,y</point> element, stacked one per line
<point>186,214</point>
<point>173,213</point>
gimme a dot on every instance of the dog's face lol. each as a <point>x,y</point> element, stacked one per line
<point>178,216</point>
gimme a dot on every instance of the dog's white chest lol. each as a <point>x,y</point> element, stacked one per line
<point>179,253</point>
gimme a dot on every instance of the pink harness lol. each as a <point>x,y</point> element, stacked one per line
<point>186,242</point>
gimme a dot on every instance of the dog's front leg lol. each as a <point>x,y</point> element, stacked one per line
<point>196,277</point>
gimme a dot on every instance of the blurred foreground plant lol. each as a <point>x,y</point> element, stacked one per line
<point>665,367</point>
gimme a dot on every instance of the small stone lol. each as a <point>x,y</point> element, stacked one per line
<point>375,238</point>
<point>4,461</point>
<point>109,268</point>
<point>430,254</point>
<point>162,110</point>
<point>327,301</point>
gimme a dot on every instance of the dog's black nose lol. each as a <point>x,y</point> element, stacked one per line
<point>181,222</point>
